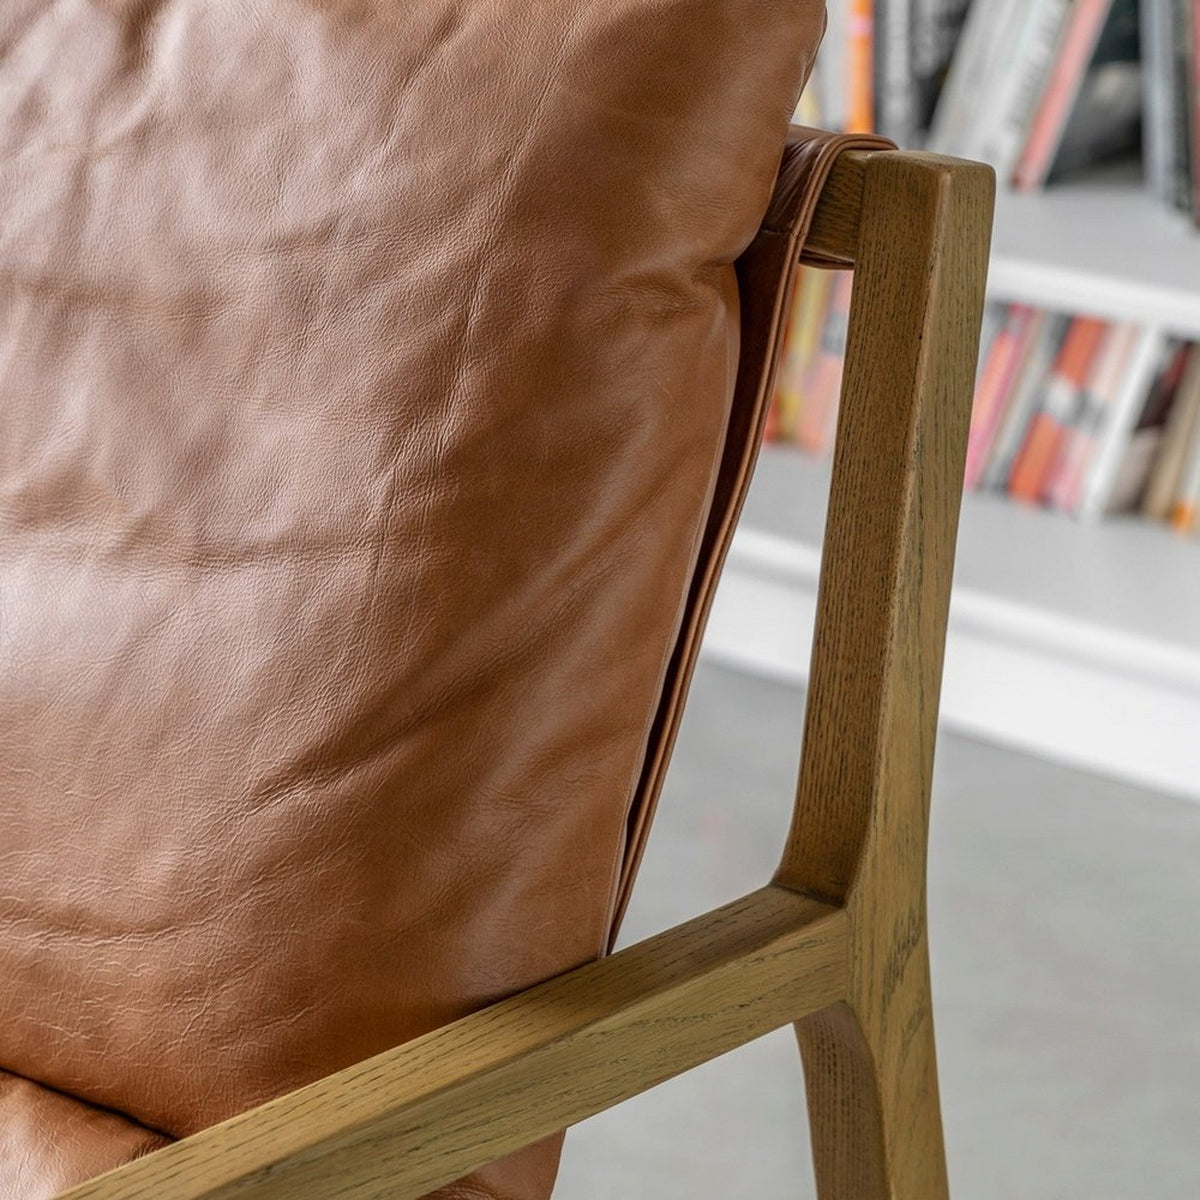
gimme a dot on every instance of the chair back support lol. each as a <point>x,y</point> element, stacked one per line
<point>366,380</point>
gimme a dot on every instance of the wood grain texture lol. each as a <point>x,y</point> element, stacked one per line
<point>413,1118</point>
<point>834,230</point>
<point>861,823</point>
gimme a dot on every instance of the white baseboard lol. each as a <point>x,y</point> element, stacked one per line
<point>1073,692</point>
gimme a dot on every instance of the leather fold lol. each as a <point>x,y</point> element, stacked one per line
<point>50,1142</point>
<point>767,272</point>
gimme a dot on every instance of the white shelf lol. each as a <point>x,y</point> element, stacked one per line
<point>1106,249</point>
<point>1080,643</point>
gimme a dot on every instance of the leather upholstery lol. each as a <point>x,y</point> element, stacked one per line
<point>358,432</point>
<point>50,1142</point>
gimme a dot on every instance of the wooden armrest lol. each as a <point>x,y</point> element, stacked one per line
<point>837,943</point>
<point>428,1112</point>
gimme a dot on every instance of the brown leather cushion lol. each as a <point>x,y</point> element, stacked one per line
<point>365,373</point>
<point>50,1142</point>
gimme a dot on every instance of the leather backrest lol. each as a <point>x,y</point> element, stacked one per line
<point>366,369</point>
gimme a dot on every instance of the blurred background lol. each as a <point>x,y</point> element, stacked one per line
<point>1065,859</point>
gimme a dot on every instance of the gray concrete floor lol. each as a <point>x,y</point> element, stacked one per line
<point>1065,923</point>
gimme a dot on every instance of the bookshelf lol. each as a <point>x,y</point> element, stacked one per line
<point>1103,248</point>
<point>1079,643</point>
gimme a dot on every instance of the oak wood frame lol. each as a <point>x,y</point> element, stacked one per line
<point>837,942</point>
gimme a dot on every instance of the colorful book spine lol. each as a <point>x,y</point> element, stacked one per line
<point>1041,446</point>
<point>994,315</point>
<point>1019,90</point>
<point>1078,441</point>
<point>1026,401</point>
<point>860,75</point>
<point>995,387</point>
<point>823,387</point>
<point>1083,30</point>
<point>1147,353</point>
<point>809,306</point>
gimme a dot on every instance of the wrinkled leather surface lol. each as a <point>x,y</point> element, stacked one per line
<point>358,426</point>
<point>50,1142</point>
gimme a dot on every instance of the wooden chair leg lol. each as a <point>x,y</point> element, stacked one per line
<point>860,829</point>
<point>874,1115</point>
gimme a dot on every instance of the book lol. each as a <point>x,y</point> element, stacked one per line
<point>1026,400</point>
<point>829,71</point>
<point>1185,115</point>
<point>823,385</point>
<point>895,84</point>
<point>1185,509</point>
<point>1145,442</point>
<point>1106,118</point>
<point>1041,445</point>
<point>1080,38</point>
<point>1168,467</point>
<point>995,314</point>
<point>860,66</point>
<point>1148,352</point>
<point>1159,85</point>
<point>973,63</point>
<point>936,28</point>
<point>995,386</point>
<point>1095,398</point>
<point>1193,109</point>
<point>809,305</point>
<point>1019,90</point>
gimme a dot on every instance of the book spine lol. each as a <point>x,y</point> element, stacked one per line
<point>936,28</point>
<point>833,95</point>
<point>860,48</point>
<point>1185,511</point>
<point>995,388</point>
<point>1165,474</point>
<point>895,81</point>
<point>1078,441</point>
<point>1146,441</point>
<point>1193,108</point>
<point>1026,402</point>
<point>970,65</point>
<point>1041,446</point>
<point>804,332</point>
<point>1078,45</point>
<point>1146,354</point>
<point>1184,116</point>
<point>1158,98</point>
<point>1023,84</point>
<point>824,383</point>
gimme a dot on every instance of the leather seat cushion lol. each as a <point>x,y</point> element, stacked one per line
<point>364,372</point>
<point>50,1142</point>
